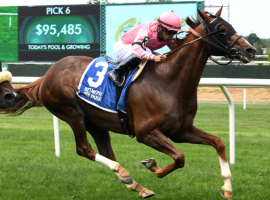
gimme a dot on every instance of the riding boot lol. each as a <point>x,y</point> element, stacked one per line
<point>117,75</point>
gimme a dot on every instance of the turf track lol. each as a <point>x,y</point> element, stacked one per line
<point>30,170</point>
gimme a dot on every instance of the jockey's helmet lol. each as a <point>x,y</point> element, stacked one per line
<point>170,20</point>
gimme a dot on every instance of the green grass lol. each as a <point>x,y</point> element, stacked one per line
<point>29,168</point>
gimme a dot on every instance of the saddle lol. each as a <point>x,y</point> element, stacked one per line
<point>98,90</point>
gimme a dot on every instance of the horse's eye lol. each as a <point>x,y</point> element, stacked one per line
<point>223,32</point>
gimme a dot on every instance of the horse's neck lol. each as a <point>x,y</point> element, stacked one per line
<point>192,60</point>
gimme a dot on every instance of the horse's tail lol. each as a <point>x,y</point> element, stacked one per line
<point>27,98</point>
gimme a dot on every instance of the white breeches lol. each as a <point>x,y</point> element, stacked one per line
<point>122,51</point>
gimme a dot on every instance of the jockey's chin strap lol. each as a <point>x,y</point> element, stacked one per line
<point>159,31</point>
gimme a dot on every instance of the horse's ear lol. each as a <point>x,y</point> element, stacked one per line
<point>190,23</point>
<point>203,15</point>
<point>219,11</point>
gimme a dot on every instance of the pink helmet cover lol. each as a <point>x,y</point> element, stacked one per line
<point>170,20</point>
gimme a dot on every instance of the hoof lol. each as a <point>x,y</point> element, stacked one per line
<point>226,194</point>
<point>149,163</point>
<point>147,160</point>
<point>126,179</point>
<point>146,193</point>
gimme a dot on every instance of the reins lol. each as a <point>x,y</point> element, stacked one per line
<point>231,53</point>
<point>199,37</point>
<point>226,50</point>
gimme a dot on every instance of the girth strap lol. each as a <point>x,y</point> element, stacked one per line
<point>123,116</point>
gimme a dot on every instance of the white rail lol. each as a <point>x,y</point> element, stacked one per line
<point>8,13</point>
<point>233,82</point>
<point>231,124</point>
<point>209,82</point>
<point>23,79</point>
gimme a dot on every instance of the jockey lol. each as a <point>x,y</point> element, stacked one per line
<point>139,43</point>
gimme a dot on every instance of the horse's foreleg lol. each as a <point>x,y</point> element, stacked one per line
<point>102,140</point>
<point>106,157</point>
<point>226,190</point>
<point>197,136</point>
<point>124,176</point>
<point>158,141</point>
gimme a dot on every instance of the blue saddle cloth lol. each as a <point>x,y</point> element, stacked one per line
<point>98,89</point>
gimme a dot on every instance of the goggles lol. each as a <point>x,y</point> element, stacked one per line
<point>169,32</point>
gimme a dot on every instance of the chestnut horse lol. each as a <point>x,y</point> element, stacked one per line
<point>8,96</point>
<point>161,103</point>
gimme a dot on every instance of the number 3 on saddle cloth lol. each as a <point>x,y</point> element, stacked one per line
<point>97,89</point>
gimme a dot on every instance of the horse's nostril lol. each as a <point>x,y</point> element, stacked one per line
<point>9,96</point>
<point>251,50</point>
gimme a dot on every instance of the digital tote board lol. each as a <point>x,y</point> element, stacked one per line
<point>49,33</point>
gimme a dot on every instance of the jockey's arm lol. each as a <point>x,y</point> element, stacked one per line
<point>140,42</point>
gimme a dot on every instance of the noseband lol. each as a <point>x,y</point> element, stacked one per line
<point>217,39</point>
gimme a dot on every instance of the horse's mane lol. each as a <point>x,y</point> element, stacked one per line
<point>195,22</point>
<point>192,22</point>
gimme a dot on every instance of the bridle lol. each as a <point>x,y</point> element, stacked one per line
<point>217,39</point>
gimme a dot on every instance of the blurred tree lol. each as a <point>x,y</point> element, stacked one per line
<point>259,47</point>
<point>98,1</point>
<point>258,43</point>
<point>253,38</point>
<point>266,43</point>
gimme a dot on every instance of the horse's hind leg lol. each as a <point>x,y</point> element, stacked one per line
<point>197,136</point>
<point>107,158</point>
<point>76,121</point>
<point>62,102</point>
<point>157,140</point>
<point>70,111</point>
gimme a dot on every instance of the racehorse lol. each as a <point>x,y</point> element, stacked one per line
<point>8,96</point>
<point>161,103</point>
